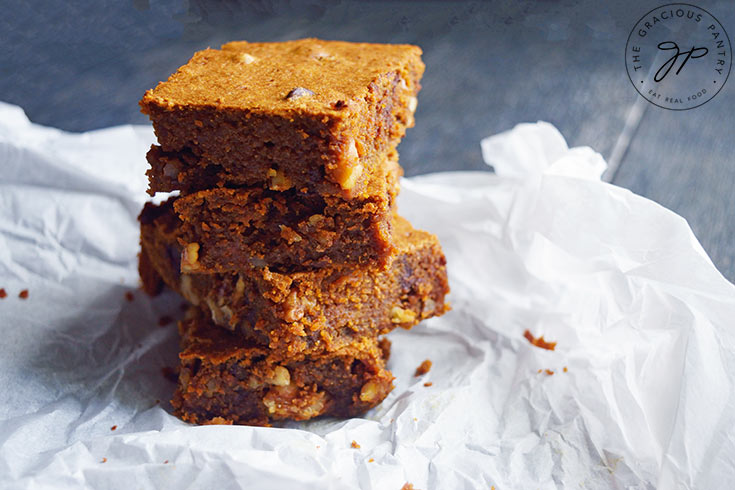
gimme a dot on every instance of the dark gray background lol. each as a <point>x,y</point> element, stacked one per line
<point>490,65</point>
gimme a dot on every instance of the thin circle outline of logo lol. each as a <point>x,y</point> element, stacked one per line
<point>654,97</point>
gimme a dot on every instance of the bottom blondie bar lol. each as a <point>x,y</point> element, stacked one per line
<point>225,379</point>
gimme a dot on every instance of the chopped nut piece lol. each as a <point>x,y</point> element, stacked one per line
<point>277,180</point>
<point>355,445</point>
<point>423,368</point>
<point>315,218</point>
<point>299,92</point>
<point>281,377</point>
<point>240,285</point>
<point>190,258</point>
<point>353,174</point>
<point>429,308</point>
<point>350,169</point>
<point>293,309</point>
<point>321,54</point>
<point>352,153</point>
<point>3,293</point>
<point>221,314</point>
<point>246,58</point>
<point>279,405</point>
<point>289,235</point>
<point>369,392</point>
<point>399,315</point>
<point>412,104</point>
<point>270,405</point>
<point>23,294</point>
<point>428,383</point>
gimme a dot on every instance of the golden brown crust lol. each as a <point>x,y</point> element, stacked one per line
<point>225,379</point>
<point>259,76</point>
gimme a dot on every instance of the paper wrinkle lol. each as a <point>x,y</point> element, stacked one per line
<point>641,318</point>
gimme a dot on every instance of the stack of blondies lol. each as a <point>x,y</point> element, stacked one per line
<point>283,236</point>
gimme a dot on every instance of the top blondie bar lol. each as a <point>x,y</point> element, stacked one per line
<point>307,114</point>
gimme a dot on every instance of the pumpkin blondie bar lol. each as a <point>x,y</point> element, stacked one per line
<point>225,230</point>
<point>312,311</point>
<point>319,114</point>
<point>226,379</point>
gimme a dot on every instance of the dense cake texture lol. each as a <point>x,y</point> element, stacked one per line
<point>225,379</point>
<point>321,115</point>
<point>314,311</point>
<point>225,230</point>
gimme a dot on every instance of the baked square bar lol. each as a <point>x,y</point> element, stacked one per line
<point>226,230</point>
<point>320,115</point>
<point>225,379</point>
<point>314,311</point>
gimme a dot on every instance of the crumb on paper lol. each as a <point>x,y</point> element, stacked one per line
<point>540,371</point>
<point>415,419</point>
<point>423,368</point>
<point>407,486</point>
<point>3,293</point>
<point>129,296</point>
<point>104,460</point>
<point>114,427</point>
<point>170,374</point>
<point>370,460</point>
<point>428,383</point>
<point>165,462</point>
<point>549,371</point>
<point>539,342</point>
<point>23,294</point>
<point>164,320</point>
<point>565,369</point>
<point>355,445</point>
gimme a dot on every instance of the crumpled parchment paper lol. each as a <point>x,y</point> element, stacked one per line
<point>643,321</point>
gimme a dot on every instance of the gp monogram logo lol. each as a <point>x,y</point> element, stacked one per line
<point>678,56</point>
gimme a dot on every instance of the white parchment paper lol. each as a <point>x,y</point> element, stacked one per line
<point>643,321</point>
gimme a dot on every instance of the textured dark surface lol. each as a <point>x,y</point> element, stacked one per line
<point>490,65</point>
